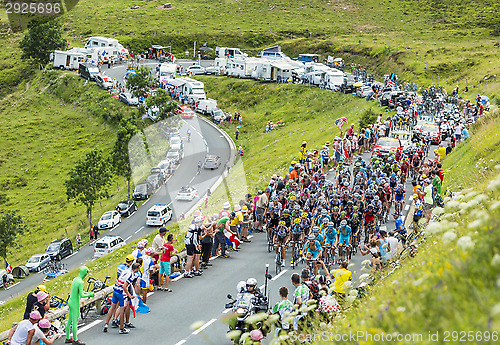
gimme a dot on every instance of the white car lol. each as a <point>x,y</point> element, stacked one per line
<point>195,69</point>
<point>364,91</point>
<point>187,193</point>
<point>107,244</point>
<point>38,262</point>
<point>175,144</point>
<point>165,165</point>
<point>109,219</point>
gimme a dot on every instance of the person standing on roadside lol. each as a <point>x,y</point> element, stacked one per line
<point>220,238</point>
<point>207,241</point>
<point>168,251</point>
<point>193,248</point>
<point>158,243</point>
<point>262,205</point>
<point>428,199</point>
<point>31,299</point>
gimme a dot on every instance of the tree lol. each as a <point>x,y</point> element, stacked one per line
<point>88,180</point>
<point>163,102</point>
<point>43,37</point>
<point>11,225</point>
<point>120,156</point>
<point>140,83</point>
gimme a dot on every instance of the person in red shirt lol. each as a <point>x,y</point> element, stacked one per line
<point>168,251</point>
<point>441,172</point>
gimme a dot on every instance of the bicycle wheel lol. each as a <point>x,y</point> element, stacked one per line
<point>278,262</point>
<point>84,311</point>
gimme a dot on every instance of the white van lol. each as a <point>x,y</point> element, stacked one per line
<point>107,244</point>
<point>159,215</point>
<point>206,106</point>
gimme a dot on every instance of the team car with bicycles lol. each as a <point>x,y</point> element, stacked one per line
<point>386,146</point>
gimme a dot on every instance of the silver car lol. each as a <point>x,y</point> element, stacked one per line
<point>38,262</point>
<point>212,162</point>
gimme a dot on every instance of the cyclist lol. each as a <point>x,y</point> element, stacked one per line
<point>330,240</point>
<point>312,252</point>
<point>297,235</point>
<point>189,135</point>
<point>400,227</point>
<point>369,221</point>
<point>356,226</point>
<point>344,239</point>
<point>199,166</point>
<point>305,223</point>
<point>280,239</point>
<point>399,197</point>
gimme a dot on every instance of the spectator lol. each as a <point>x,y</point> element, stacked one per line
<point>158,243</point>
<point>341,276</point>
<point>31,299</point>
<point>193,248</point>
<point>220,238</point>
<point>207,241</point>
<point>283,308</point>
<point>25,330</point>
<point>392,246</point>
<point>42,304</point>
<point>43,333</point>
<point>165,265</point>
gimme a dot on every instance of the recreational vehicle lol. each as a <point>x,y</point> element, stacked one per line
<point>167,72</point>
<point>70,59</point>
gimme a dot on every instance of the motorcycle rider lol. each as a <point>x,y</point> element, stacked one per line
<point>251,288</point>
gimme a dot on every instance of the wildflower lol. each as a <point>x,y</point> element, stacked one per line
<point>353,292</point>
<point>449,236</point>
<point>437,211</point>
<point>475,224</point>
<point>495,205</point>
<point>452,204</point>
<point>495,311</point>
<point>465,243</point>
<point>495,262</point>
<point>401,309</point>
<point>350,299</point>
<point>481,198</point>
<point>364,277</point>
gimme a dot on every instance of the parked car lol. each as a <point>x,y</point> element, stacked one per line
<point>187,193</point>
<point>174,156</point>
<point>126,208</point>
<point>158,215</point>
<point>154,180</point>
<point>195,69</point>
<point>10,277</point>
<point>103,82</point>
<point>386,146</point>
<point>107,244</point>
<point>175,144</point>
<point>109,220</point>
<point>364,91</point>
<point>38,262</point>
<point>212,162</point>
<point>165,167</point>
<point>158,171</point>
<point>59,249</point>
<point>88,71</point>
<point>142,191</point>
<point>128,98</point>
<point>212,70</point>
<point>185,112</point>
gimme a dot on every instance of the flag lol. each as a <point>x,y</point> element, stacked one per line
<point>330,59</point>
<point>340,122</point>
<point>143,307</point>
<point>8,267</point>
<point>391,83</point>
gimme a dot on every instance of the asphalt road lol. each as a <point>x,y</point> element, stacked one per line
<point>202,299</point>
<point>204,138</point>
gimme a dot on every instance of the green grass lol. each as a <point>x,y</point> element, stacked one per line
<point>45,133</point>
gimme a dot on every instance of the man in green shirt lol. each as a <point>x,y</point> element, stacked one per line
<point>283,307</point>
<point>220,238</point>
<point>436,182</point>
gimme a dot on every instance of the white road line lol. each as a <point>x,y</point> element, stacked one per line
<point>181,342</point>
<point>13,285</point>
<point>205,142</point>
<point>204,326</point>
<point>411,197</point>
<point>71,255</point>
<point>226,311</point>
<point>249,236</point>
<point>407,207</point>
<point>150,293</point>
<point>130,215</point>
<point>170,203</point>
<point>89,326</point>
<point>145,202</point>
<point>142,227</point>
<point>213,257</point>
<point>128,238</point>
<point>192,179</point>
<point>279,275</point>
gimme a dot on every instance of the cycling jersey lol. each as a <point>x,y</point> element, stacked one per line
<point>301,291</point>
<point>330,235</point>
<point>282,231</point>
<point>297,229</point>
<point>283,308</point>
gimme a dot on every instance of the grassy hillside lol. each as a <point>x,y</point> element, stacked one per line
<point>46,130</point>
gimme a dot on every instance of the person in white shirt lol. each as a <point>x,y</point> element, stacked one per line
<point>43,333</point>
<point>392,246</point>
<point>25,330</point>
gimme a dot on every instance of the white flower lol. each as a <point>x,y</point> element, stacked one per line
<point>470,194</point>
<point>446,199</point>
<point>459,197</point>
<point>495,310</point>
<point>475,224</point>
<point>481,198</point>
<point>401,309</point>
<point>418,282</point>
<point>364,277</point>
<point>353,292</point>
<point>347,285</point>
<point>452,204</point>
<point>449,236</point>
<point>495,205</point>
<point>366,262</point>
<point>465,243</point>
<point>495,262</point>
<point>434,228</point>
<point>437,211</point>
<point>350,298</point>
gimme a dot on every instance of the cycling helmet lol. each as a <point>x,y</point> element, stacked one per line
<point>376,198</point>
<point>324,212</point>
<point>306,190</point>
<point>350,202</point>
<point>297,220</point>
<point>304,215</point>
<point>286,211</point>
<point>386,185</point>
<point>330,224</point>
<point>281,223</point>
<point>343,223</point>
<point>251,282</point>
<point>346,184</point>
<point>370,206</point>
<point>335,209</point>
<point>321,279</point>
<point>343,213</point>
<point>315,229</point>
<point>355,208</point>
<point>311,237</point>
<point>296,207</point>
<point>274,198</point>
<point>292,198</point>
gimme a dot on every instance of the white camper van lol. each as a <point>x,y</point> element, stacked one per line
<point>195,90</point>
<point>70,59</point>
<point>167,72</point>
